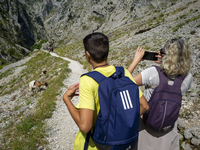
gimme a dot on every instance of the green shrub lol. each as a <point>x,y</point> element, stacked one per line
<point>132,8</point>
<point>38,46</point>
<point>177,27</point>
<point>2,62</point>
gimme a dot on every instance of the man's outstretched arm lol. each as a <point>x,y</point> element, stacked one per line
<point>82,117</point>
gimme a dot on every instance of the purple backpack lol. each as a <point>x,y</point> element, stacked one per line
<point>164,104</point>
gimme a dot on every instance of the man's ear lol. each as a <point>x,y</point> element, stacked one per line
<point>88,56</point>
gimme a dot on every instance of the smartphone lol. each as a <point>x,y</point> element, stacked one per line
<point>150,56</point>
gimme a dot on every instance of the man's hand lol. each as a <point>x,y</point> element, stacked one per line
<point>82,117</point>
<point>71,92</point>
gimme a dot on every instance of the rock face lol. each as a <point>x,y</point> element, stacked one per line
<point>64,21</point>
<point>19,28</point>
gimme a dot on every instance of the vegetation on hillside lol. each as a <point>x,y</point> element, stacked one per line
<point>27,129</point>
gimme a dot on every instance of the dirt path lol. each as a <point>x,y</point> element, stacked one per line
<point>63,129</point>
<point>18,63</point>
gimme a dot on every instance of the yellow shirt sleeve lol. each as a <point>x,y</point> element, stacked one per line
<point>87,93</point>
<point>127,73</point>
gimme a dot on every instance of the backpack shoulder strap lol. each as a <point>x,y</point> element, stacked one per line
<point>162,76</point>
<point>178,80</point>
<point>119,70</point>
<point>87,140</point>
<point>97,76</point>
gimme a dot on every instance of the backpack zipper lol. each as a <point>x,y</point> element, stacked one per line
<point>164,116</point>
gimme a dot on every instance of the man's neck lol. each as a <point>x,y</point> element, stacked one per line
<point>100,65</point>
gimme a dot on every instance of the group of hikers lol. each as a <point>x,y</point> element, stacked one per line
<point>50,49</point>
<point>114,114</point>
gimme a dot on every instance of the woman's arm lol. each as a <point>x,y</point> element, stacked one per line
<point>143,105</point>
<point>137,58</point>
<point>138,79</point>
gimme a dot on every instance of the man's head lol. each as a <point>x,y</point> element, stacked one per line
<point>97,45</point>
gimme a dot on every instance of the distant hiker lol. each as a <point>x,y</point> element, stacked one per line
<point>175,63</point>
<point>85,113</point>
<point>51,49</point>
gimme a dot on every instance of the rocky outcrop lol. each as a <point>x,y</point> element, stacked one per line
<point>18,26</point>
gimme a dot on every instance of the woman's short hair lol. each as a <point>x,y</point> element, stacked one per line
<point>97,44</point>
<point>177,59</point>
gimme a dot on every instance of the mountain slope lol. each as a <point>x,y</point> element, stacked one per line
<point>19,30</point>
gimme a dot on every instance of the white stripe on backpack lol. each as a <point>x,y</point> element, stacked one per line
<point>126,100</point>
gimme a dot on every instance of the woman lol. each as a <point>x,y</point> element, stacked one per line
<point>175,60</point>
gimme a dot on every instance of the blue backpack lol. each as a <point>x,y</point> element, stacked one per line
<point>164,104</point>
<point>117,123</point>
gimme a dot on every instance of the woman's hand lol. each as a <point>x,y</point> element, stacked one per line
<point>159,57</point>
<point>137,58</point>
<point>139,54</point>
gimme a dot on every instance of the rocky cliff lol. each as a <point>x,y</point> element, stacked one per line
<point>27,22</point>
<point>20,29</point>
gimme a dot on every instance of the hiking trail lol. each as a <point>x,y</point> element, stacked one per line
<point>62,128</point>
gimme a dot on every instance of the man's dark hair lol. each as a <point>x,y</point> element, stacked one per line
<point>97,44</point>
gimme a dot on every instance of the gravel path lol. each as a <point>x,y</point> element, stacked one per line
<point>18,63</point>
<point>62,128</point>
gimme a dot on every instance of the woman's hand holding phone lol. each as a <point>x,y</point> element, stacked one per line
<point>139,54</point>
<point>160,57</point>
<point>153,56</point>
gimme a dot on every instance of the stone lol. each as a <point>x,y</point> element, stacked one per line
<point>196,134</point>
<point>195,141</point>
<point>181,123</point>
<point>187,134</point>
<point>186,146</point>
<point>41,148</point>
<point>193,94</point>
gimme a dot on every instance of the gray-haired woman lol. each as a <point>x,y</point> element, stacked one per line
<point>175,61</point>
